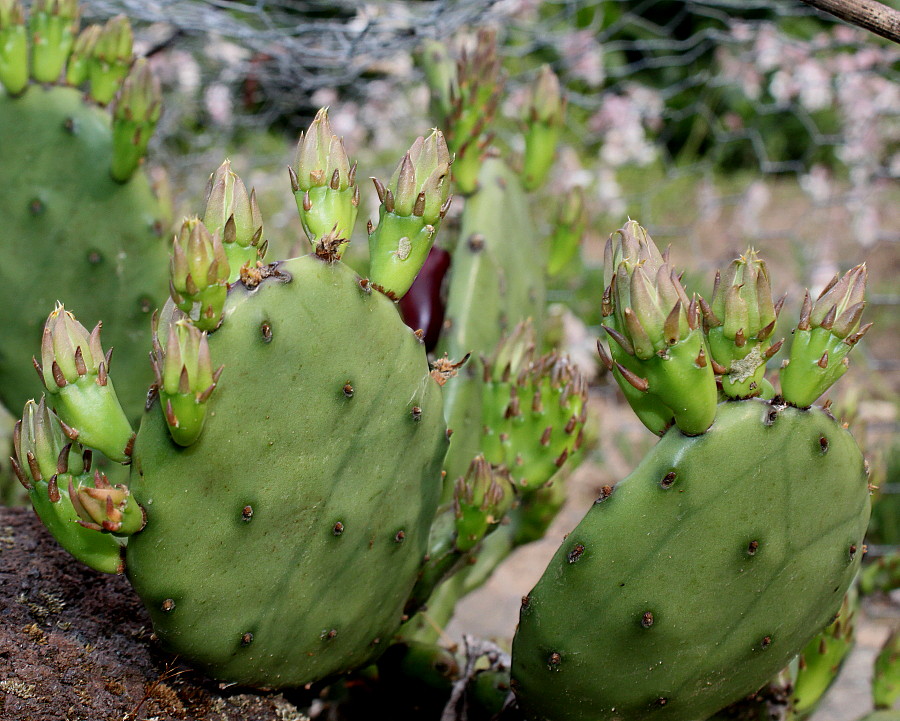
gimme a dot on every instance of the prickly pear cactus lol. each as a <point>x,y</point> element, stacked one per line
<point>288,464</point>
<point>318,470</point>
<point>693,581</point>
<point>81,221</point>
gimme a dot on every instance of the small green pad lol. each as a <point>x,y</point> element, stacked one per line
<point>697,578</point>
<point>281,546</point>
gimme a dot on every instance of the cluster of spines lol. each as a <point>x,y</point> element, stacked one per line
<point>48,49</point>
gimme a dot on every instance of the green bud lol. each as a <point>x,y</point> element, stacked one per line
<point>47,462</point>
<point>198,274</point>
<point>545,114</point>
<point>53,25</point>
<point>481,499</point>
<point>78,66</point>
<point>75,373</point>
<point>41,447</point>
<point>412,207</point>
<point>234,216</point>
<point>13,47</point>
<point>111,59</point>
<point>568,230</point>
<point>104,507</point>
<point>739,324</point>
<point>440,74</point>
<point>184,377</point>
<point>324,182</point>
<point>826,333</point>
<point>659,355</point>
<point>135,111</point>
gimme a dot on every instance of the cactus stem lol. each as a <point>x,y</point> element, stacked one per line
<point>641,384</point>
<point>805,312</point>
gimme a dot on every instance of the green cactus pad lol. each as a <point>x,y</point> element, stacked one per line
<point>72,233</point>
<point>267,558</point>
<point>698,577</point>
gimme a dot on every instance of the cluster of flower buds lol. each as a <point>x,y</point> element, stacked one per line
<point>71,502</point>
<point>233,215</point>
<point>658,354</point>
<point>75,372</point>
<point>135,110</point>
<point>110,59</point>
<point>739,323</point>
<point>481,499</point>
<point>412,207</point>
<point>534,409</point>
<point>199,272</point>
<point>184,377</point>
<point>569,227</point>
<point>826,333</point>
<point>53,25</point>
<point>13,47</point>
<point>545,115</point>
<point>324,182</point>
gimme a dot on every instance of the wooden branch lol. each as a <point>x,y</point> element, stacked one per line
<point>872,15</point>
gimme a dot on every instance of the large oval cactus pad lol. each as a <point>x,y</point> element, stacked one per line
<point>73,234</point>
<point>281,547</point>
<point>700,575</point>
